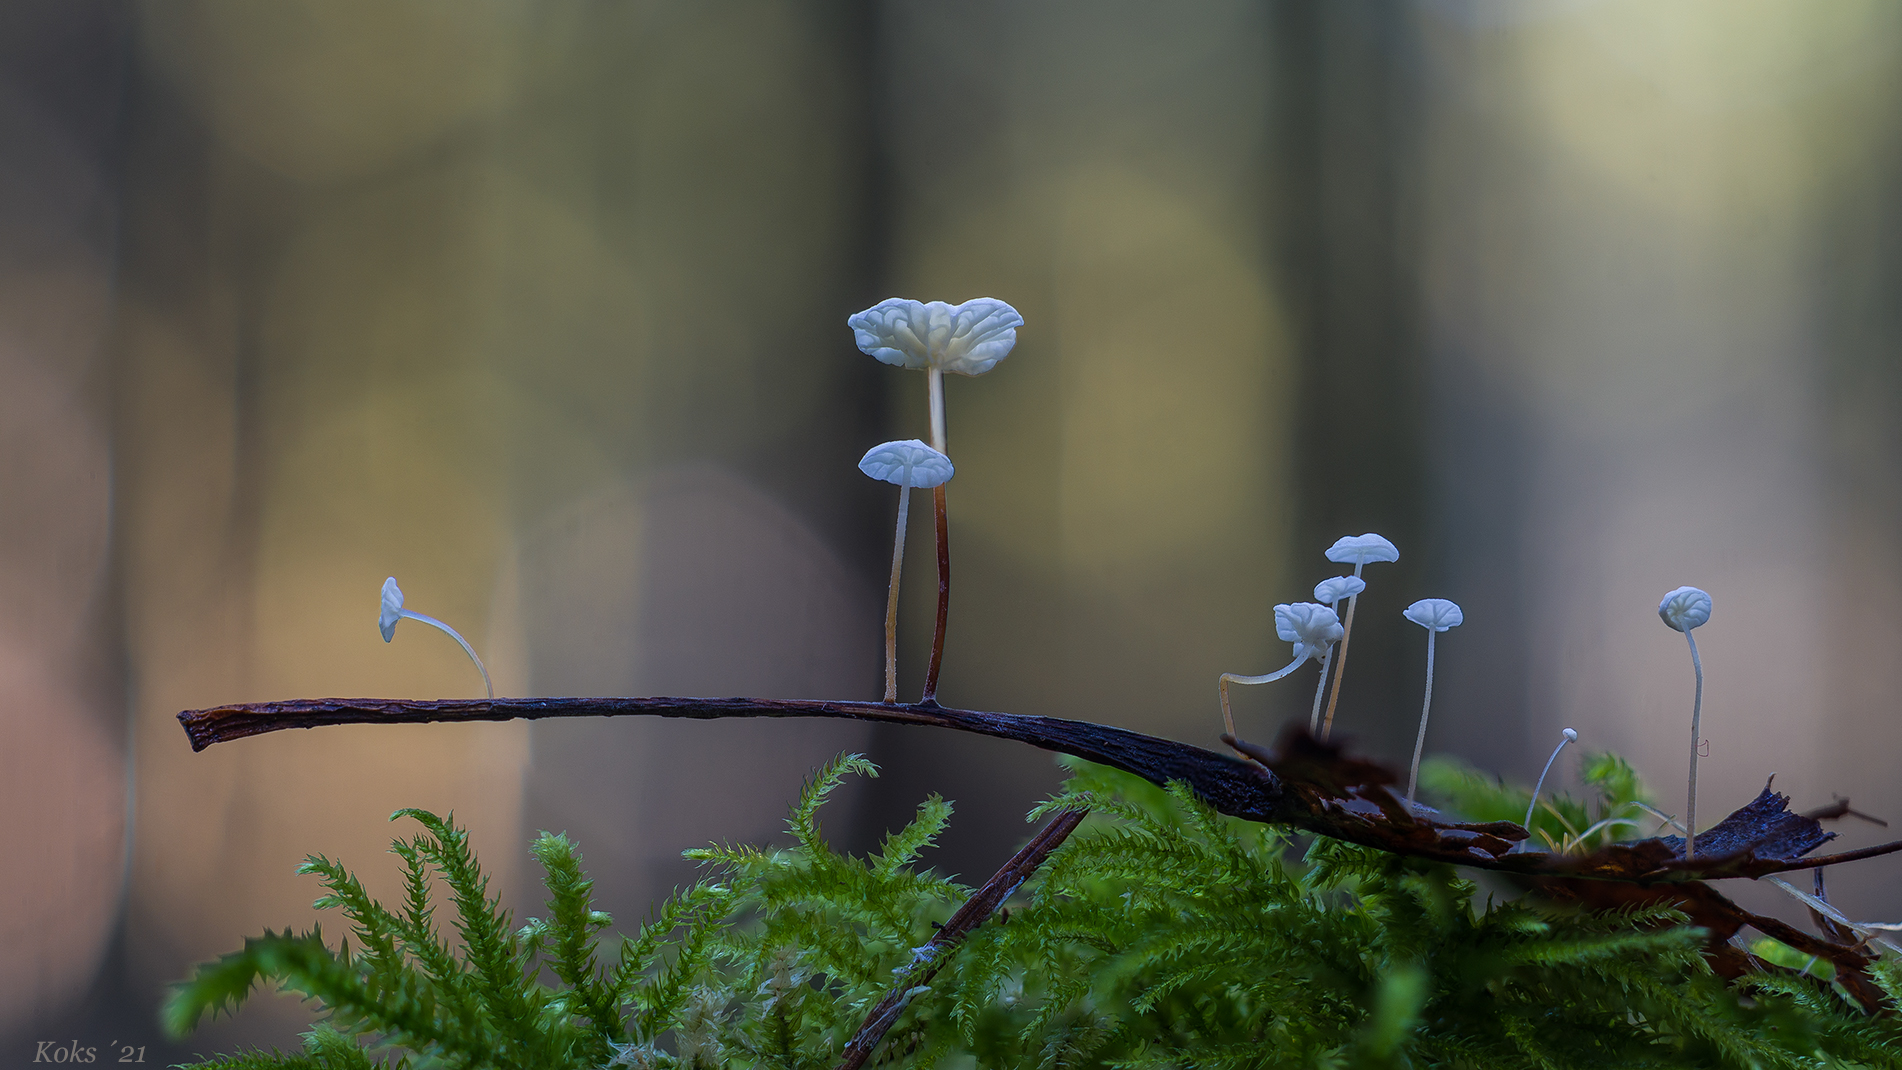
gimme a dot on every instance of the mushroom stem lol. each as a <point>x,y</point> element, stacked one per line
<point>891,601</point>
<point>1229,677</point>
<point>934,391</point>
<point>457,636</point>
<point>1567,737</point>
<point>1320,689</point>
<point>1419,743</point>
<point>944,579</point>
<point>1347,632</point>
<point>1697,711</point>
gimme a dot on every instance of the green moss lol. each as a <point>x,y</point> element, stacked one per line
<point>1162,934</point>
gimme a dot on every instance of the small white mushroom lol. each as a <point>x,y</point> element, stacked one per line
<point>1356,550</point>
<point>1435,615</point>
<point>908,463</point>
<point>1310,627</point>
<point>1565,736</point>
<point>1333,590</point>
<point>1683,610</point>
<point>935,337</point>
<point>393,611</point>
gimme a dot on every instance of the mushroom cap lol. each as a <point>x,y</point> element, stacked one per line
<point>1335,588</point>
<point>908,463</point>
<point>1570,734</point>
<point>1311,627</point>
<point>1685,608</point>
<point>967,339</point>
<point>1435,614</point>
<point>1360,549</point>
<point>392,609</point>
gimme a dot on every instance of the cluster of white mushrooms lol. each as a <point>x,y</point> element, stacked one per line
<point>969,339</point>
<point>1314,627</point>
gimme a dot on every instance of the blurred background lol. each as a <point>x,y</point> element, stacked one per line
<point>540,307</point>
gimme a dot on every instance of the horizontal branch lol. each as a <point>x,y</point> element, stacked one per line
<point>1303,783</point>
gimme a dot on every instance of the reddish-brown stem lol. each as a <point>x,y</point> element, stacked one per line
<point>975,911</point>
<point>944,594</point>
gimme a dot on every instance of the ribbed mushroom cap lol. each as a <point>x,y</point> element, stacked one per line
<point>908,463</point>
<point>1435,614</point>
<point>967,339</point>
<point>1309,626</point>
<point>392,609</point>
<point>1360,549</point>
<point>1685,608</point>
<point>1335,588</point>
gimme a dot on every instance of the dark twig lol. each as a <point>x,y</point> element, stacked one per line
<point>944,593</point>
<point>982,904</point>
<point>1302,783</point>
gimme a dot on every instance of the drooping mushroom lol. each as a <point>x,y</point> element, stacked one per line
<point>908,463</point>
<point>936,337</point>
<point>1333,591</point>
<point>1683,610</point>
<point>1356,550</point>
<point>1565,736</point>
<point>1312,628</point>
<point>1435,615</point>
<point>393,611</point>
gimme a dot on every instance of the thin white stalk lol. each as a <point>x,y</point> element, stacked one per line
<point>1229,677</point>
<point>1568,737</point>
<point>457,636</point>
<point>891,602</point>
<point>934,391</point>
<point>1320,686</point>
<point>1347,630</point>
<point>1419,743</point>
<point>1697,711</point>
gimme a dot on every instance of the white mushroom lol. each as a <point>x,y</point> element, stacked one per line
<point>1333,590</point>
<point>1310,627</point>
<point>1565,736</point>
<point>1357,550</point>
<point>908,463</point>
<point>1435,615</point>
<point>935,337</point>
<point>1683,610</point>
<point>393,611</point>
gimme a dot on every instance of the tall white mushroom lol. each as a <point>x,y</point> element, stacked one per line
<point>1333,591</point>
<point>1310,627</point>
<point>935,338</point>
<point>393,611</point>
<point>1435,615</point>
<point>908,463</point>
<point>1683,610</point>
<point>1356,550</point>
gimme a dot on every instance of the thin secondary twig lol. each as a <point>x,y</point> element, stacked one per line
<point>931,957</point>
<point>944,594</point>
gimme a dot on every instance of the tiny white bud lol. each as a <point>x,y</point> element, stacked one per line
<point>392,609</point>
<point>1685,608</point>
